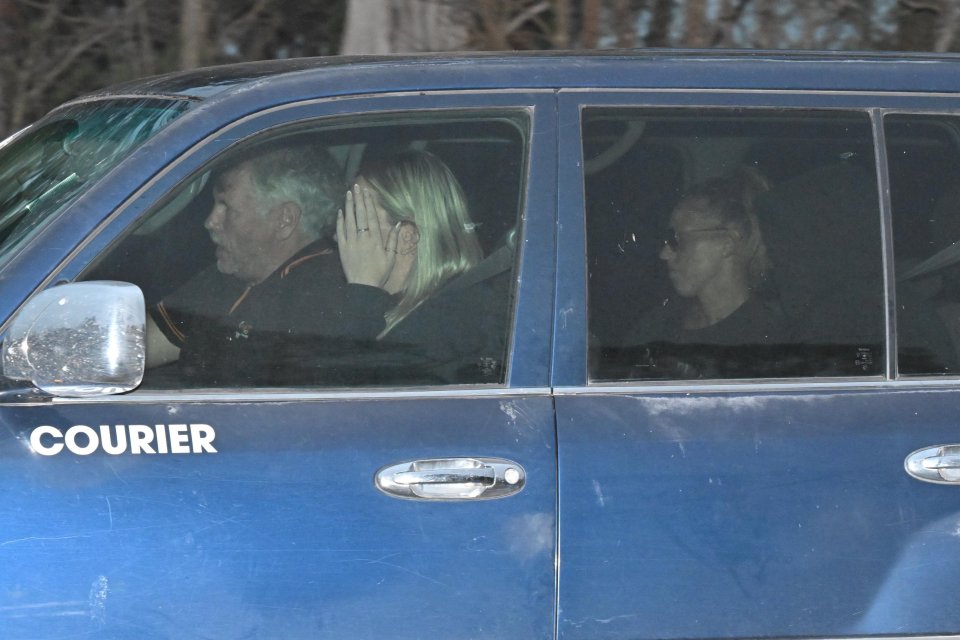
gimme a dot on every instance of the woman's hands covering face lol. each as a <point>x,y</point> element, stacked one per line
<point>366,239</point>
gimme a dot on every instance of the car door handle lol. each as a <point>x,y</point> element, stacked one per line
<point>451,479</point>
<point>939,464</point>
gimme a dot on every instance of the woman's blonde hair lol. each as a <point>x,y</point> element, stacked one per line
<point>416,186</point>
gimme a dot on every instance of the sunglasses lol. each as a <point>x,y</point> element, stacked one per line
<point>674,238</point>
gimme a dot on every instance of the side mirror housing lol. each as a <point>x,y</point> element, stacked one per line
<point>80,339</point>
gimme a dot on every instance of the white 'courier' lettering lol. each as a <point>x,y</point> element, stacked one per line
<point>83,440</point>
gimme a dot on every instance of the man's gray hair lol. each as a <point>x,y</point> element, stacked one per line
<point>305,174</point>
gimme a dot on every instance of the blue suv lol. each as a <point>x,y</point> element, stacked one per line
<point>611,345</point>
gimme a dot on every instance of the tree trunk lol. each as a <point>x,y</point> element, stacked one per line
<point>402,26</point>
<point>147,57</point>
<point>696,16</point>
<point>917,22</point>
<point>426,25</point>
<point>863,22</point>
<point>491,33</point>
<point>9,22</point>
<point>660,22</point>
<point>949,26</point>
<point>367,27</point>
<point>193,33</point>
<point>624,24</point>
<point>590,20</point>
<point>769,35</point>
<point>561,31</point>
<point>26,78</point>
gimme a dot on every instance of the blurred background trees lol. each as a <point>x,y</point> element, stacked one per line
<point>52,50</point>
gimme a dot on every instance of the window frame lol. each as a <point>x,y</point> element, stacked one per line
<point>571,374</point>
<point>527,352</point>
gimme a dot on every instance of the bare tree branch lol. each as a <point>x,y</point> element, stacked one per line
<point>68,59</point>
<point>729,16</point>
<point>527,14</point>
<point>922,5</point>
<point>244,21</point>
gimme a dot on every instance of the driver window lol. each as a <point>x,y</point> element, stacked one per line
<point>356,252</point>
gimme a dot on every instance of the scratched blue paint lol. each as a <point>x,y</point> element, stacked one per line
<point>752,516</point>
<point>280,534</point>
<point>683,515</point>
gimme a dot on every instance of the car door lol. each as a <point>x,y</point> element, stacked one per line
<point>277,528</point>
<point>718,485</point>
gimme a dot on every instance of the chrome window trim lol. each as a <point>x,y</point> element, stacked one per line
<point>759,386</point>
<point>241,396</point>
<point>877,116</point>
<point>883,112</point>
<point>170,97</point>
<point>891,348</point>
<point>742,91</point>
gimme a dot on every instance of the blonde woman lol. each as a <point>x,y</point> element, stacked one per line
<point>405,229</point>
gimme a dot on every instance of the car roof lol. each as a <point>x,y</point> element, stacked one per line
<point>294,79</point>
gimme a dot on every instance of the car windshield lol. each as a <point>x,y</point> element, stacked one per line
<point>55,160</point>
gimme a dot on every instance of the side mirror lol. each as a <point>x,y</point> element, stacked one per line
<point>79,340</point>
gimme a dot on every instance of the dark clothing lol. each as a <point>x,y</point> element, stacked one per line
<point>457,336</point>
<point>230,334</point>
<point>742,345</point>
<point>754,322</point>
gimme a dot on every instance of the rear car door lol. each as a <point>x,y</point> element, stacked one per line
<point>283,526</point>
<point>746,477</point>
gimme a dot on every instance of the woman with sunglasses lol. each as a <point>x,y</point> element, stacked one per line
<point>722,318</point>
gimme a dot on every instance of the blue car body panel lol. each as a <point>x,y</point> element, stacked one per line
<point>751,515</point>
<point>281,533</point>
<point>776,509</point>
<point>687,511</point>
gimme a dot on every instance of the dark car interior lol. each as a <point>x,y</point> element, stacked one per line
<point>820,221</point>
<point>486,153</point>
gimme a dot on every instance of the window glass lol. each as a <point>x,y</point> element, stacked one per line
<point>373,251</point>
<point>66,153</point>
<point>924,162</point>
<point>727,243</point>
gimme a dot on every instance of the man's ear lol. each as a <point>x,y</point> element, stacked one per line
<point>286,219</point>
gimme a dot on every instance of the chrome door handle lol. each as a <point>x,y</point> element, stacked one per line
<point>940,464</point>
<point>451,479</point>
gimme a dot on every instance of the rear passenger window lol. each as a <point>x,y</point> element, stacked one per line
<point>351,252</point>
<point>732,243</point>
<point>924,163</point>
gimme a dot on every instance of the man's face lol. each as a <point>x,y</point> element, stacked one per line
<point>240,227</point>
